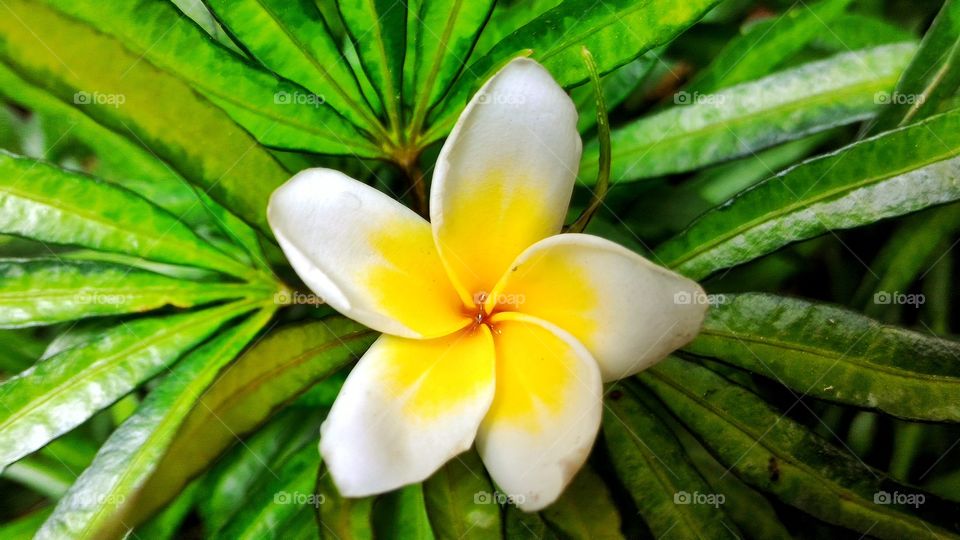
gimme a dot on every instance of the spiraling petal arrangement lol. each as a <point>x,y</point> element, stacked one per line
<point>498,330</point>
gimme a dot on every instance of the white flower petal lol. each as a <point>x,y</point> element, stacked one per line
<point>627,311</point>
<point>365,254</point>
<point>504,177</point>
<point>546,413</point>
<point>406,408</point>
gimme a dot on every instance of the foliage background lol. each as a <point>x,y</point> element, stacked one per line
<point>160,376</point>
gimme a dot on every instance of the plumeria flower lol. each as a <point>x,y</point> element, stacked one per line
<point>496,329</point>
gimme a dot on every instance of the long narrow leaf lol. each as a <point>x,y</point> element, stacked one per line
<point>293,40</point>
<point>45,203</point>
<point>932,77</point>
<point>122,89</point>
<point>279,368</point>
<point>909,253</point>
<point>47,291</point>
<point>59,393</point>
<point>270,507</point>
<point>668,491</point>
<point>616,32</point>
<point>94,506</point>
<point>895,173</point>
<point>767,45</point>
<point>777,455</point>
<point>704,129</point>
<point>835,354</point>
<point>267,106</point>
<point>378,29</point>
<point>444,35</point>
<point>585,510</point>
<point>343,518</point>
<point>461,501</point>
<point>122,160</point>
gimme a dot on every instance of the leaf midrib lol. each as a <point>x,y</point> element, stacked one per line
<point>832,355</point>
<point>130,291</point>
<point>419,111</point>
<point>389,95</point>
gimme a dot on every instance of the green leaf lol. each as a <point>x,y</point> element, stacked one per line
<point>440,38</point>
<point>20,349</point>
<point>95,505</point>
<point>668,491</point>
<point>267,509</point>
<point>857,31</point>
<point>11,126</point>
<point>195,137</point>
<point>302,525</point>
<point>293,40</point>
<point>378,30</point>
<point>275,371</point>
<point>402,514</point>
<point>48,204</point>
<point>342,518</point>
<point>459,500</point>
<point>710,128</point>
<point>245,466</point>
<point>719,183</point>
<point>615,32</point>
<point>835,354</point>
<point>777,455</point>
<point>670,207</point>
<point>749,509</point>
<point>520,524</point>
<point>61,392</point>
<point>51,470</point>
<point>908,254</point>
<point>585,511</point>
<point>47,478</point>
<point>931,78</point>
<point>266,105</point>
<point>508,17</point>
<point>244,241</point>
<point>120,159</point>
<point>895,173</point>
<point>47,291</point>
<point>166,524</point>
<point>24,526</point>
<point>200,14</point>
<point>767,45</point>
<point>937,289</point>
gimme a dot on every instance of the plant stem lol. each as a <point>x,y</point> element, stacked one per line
<point>603,135</point>
<point>408,159</point>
